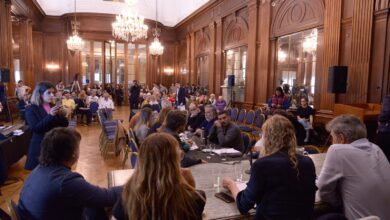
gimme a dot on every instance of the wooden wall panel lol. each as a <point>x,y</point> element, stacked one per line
<point>360,51</point>
<point>38,56</point>
<point>27,52</point>
<point>6,55</point>
<point>54,52</point>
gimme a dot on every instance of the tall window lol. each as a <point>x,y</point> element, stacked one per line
<point>236,64</point>
<point>98,61</point>
<point>108,61</point>
<point>202,69</point>
<point>86,63</point>
<point>120,63</point>
<point>131,63</point>
<point>296,64</point>
<point>142,62</point>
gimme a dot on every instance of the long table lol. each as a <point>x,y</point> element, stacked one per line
<point>206,176</point>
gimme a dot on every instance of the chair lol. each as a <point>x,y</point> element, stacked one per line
<point>109,129</point>
<point>234,114</point>
<point>257,124</point>
<point>94,106</point>
<point>241,116</point>
<point>72,124</point>
<point>13,210</point>
<point>131,148</point>
<point>247,127</point>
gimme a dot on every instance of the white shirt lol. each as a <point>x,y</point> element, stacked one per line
<point>21,90</point>
<point>92,99</point>
<point>358,175</point>
<point>103,103</point>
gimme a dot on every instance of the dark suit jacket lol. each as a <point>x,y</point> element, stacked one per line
<point>195,122</point>
<point>39,122</point>
<point>181,96</point>
<point>55,192</point>
<point>227,137</point>
<point>277,191</point>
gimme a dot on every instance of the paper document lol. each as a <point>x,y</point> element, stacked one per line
<point>227,152</point>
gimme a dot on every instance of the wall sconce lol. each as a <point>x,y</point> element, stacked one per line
<point>52,66</point>
<point>183,71</point>
<point>168,71</point>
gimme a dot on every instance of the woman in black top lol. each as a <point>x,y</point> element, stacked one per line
<point>159,188</point>
<point>282,183</point>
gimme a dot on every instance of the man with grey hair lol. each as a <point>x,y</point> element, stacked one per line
<point>210,114</point>
<point>356,173</point>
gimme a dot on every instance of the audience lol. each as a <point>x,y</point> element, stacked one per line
<point>305,115</point>
<point>355,174</point>
<point>106,102</point>
<point>180,95</point>
<point>134,93</point>
<point>141,129</point>
<point>68,104</point>
<point>282,183</point>
<point>278,100</point>
<point>210,114</point>
<point>300,131</point>
<point>53,191</point>
<point>21,90</point>
<point>41,118</point>
<point>174,124</point>
<point>160,120</point>
<point>220,104</point>
<point>159,188</point>
<point>83,107</point>
<point>195,118</point>
<point>225,133</point>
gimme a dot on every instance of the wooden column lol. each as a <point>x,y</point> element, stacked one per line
<point>188,61</point>
<point>211,77</point>
<point>218,57</point>
<point>332,29</point>
<point>27,53</point>
<point>193,75</point>
<point>251,56</point>
<point>6,56</point>
<point>359,70</point>
<point>262,78</point>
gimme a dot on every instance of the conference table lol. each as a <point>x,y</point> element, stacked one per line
<point>208,177</point>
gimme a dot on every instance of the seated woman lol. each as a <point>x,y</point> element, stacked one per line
<point>143,124</point>
<point>159,188</point>
<point>278,100</point>
<point>282,183</point>
<point>52,190</point>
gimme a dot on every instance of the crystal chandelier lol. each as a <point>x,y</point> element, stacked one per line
<point>155,47</point>
<point>74,42</point>
<point>129,26</point>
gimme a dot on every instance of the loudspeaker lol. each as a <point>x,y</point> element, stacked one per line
<point>5,75</point>
<point>87,81</point>
<point>338,76</point>
<point>230,80</point>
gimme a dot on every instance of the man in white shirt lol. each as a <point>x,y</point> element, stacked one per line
<point>21,89</point>
<point>92,98</point>
<point>356,173</point>
<point>106,102</point>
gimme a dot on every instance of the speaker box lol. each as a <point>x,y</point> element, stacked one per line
<point>338,77</point>
<point>230,80</point>
<point>5,75</point>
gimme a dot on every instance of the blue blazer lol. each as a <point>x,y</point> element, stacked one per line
<point>55,192</point>
<point>40,122</point>
<point>276,189</point>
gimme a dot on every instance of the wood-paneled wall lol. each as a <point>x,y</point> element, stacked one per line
<point>350,32</point>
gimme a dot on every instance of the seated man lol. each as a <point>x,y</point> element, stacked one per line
<point>106,102</point>
<point>305,116</point>
<point>225,133</point>
<point>195,118</point>
<point>92,98</point>
<point>210,114</point>
<point>355,174</point>
<point>69,104</point>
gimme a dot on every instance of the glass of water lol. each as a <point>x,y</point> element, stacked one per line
<point>212,148</point>
<point>238,171</point>
<point>223,154</point>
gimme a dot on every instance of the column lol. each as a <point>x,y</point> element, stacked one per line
<point>251,57</point>
<point>218,57</point>
<point>211,77</point>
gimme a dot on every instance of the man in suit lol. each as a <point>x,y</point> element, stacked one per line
<point>180,95</point>
<point>134,92</point>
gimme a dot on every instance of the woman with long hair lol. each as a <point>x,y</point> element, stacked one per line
<point>282,183</point>
<point>160,120</point>
<point>143,124</point>
<point>159,188</point>
<point>41,117</point>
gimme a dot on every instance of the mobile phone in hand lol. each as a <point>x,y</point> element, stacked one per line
<point>224,197</point>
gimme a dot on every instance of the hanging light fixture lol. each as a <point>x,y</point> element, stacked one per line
<point>74,42</point>
<point>155,48</point>
<point>129,26</point>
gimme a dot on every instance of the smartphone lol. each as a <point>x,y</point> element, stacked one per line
<point>58,102</point>
<point>224,197</point>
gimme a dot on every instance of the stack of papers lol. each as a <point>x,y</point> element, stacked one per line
<point>18,132</point>
<point>227,152</point>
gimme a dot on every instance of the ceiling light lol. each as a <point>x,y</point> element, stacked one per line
<point>155,48</point>
<point>75,43</point>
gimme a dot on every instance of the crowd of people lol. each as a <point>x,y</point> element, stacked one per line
<point>282,183</point>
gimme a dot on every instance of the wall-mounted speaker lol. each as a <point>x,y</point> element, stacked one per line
<point>338,77</point>
<point>230,80</point>
<point>5,75</point>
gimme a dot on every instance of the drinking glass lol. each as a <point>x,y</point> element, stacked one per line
<point>223,154</point>
<point>216,174</point>
<point>238,171</point>
<point>212,147</point>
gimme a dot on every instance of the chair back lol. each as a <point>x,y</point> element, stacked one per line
<point>72,124</point>
<point>250,117</point>
<point>234,114</point>
<point>94,106</point>
<point>13,210</point>
<point>109,128</point>
<point>259,120</point>
<point>134,152</point>
<point>241,116</point>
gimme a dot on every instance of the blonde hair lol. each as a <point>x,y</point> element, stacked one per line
<point>279,135</point>
<point>157,190</point>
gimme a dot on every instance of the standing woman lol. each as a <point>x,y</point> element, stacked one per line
<point>159,188</point>
<point>282,183</point>
<point>75,84</point>
<point>41,117</point>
